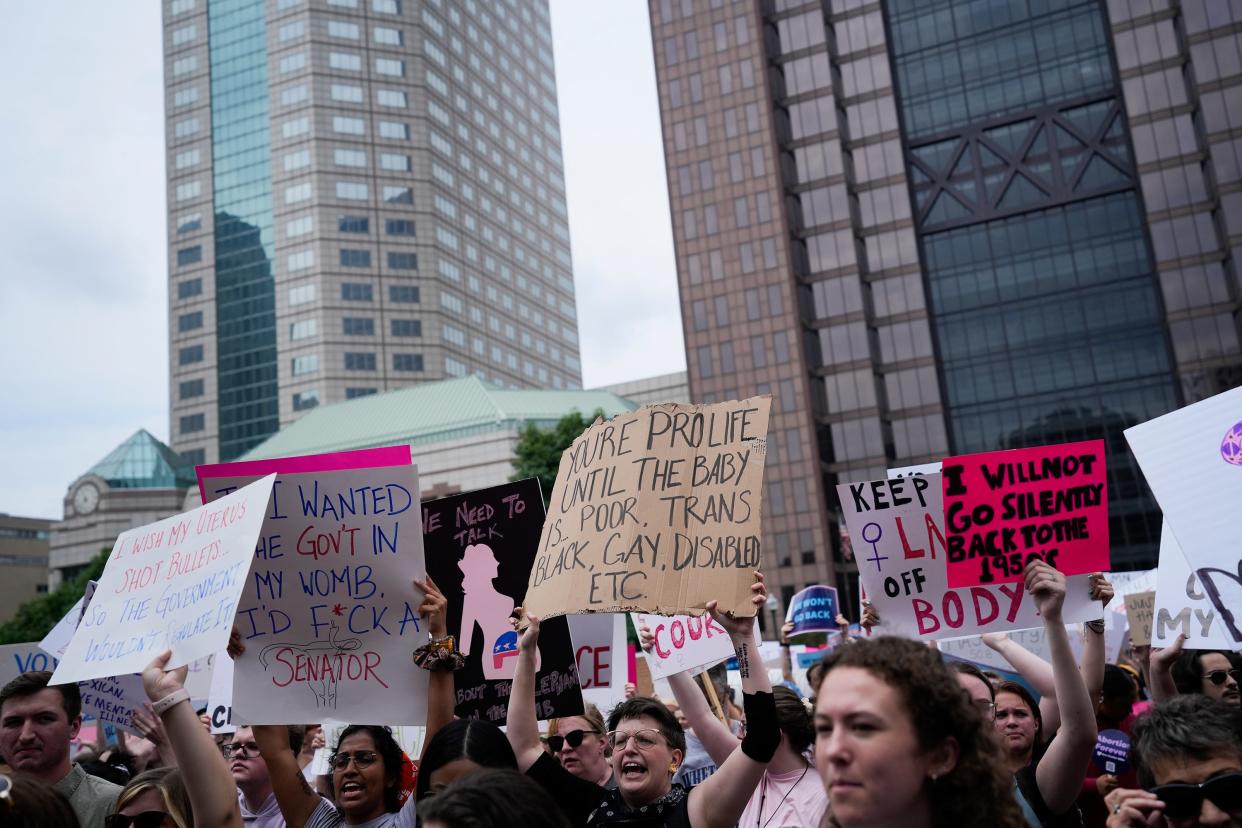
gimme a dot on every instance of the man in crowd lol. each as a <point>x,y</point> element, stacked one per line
<point>37,723</point>
<point>254,785</point>
<point>1188,753</point>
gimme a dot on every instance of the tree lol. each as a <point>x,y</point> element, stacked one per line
<point>35,618</point>
<point>538,451</point>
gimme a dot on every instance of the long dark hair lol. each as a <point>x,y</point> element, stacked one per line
<point>390,752</point>
<point>474,739</point>
<point>978,791</point>
<point>493,798</point>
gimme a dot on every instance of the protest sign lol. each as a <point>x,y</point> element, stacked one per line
<point>1182,605</point>
<point>220,695</point>
<point>1112,752</point>
<point>898,526</point>
<point>16,659</point>
<point>1003,508</point>
<point>813,610</point>
<point>113,700</point>
<point>329,614</point>
<point>599,651</point>
<point>657,510</point>
<point>683,642</point>
<point>173,584</point>
<point>480,548</point>
<point>1035,641</point>
<point>921,469</point>
<point>58,638</point>
<point>1140,609</point>
<point>1192,459</point>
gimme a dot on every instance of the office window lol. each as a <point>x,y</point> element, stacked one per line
<point>295,127</point>
<point>305,364</point>
<point>298,192</point>
<point>189,221</point>
<point>402,261</point>
<point>399,227</point>
<point>359,360</point>
<point>186,128</point>
<point>301,260</point>
<point>386,36</point>
<point>291,95</point>
<point>355,393</point>
<point>191,189</point>
<point>394,130</point>
<point>356,292</point>
<point>345,60</point>
<point>191,423</point>
<point>351,191</point>
<point>303,328</point>
<point>185,65</point>
<point>189,255</point>
<point>190,389</point>
<point>407,362</point>
<point>358,326</point>
<point>346,93</point>
<point>189,288</point>
<point>388,66</point>
<point>299,227</point>
<point>305,400</point>
<point>184,35</point>
<point>395,163</point>
<point>341,29</point>
<point>189,321</point>
<point>403,293</point>
<point>292,63</point>
<point>349,126</point>
<point>355,258</point>
<point>190,355</point>
<point>296,160</point>
<point>390,97</point>
<point>353,224</point>
<point>185,97</point>
<point>399,195</point>
<point>301,294</point>
<point>291,31</point>
<point>406,327</point>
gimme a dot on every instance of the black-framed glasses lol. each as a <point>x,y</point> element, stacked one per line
<point>1219,677</point>
<point>573,738</point>
<point>362,759</point>
<point>231,749</point>
<point>1183,800</point>
<point>146,819</point>
<point>644,739</point>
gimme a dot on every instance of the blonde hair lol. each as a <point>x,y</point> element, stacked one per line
<point>589,712</point>
<point>171,788</point>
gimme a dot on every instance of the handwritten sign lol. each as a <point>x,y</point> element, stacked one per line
<point>813,610</point>
<point>599,651</point>
<point>113,700</point>
<point>898,527</point>
<point>58,638</point>
<point>1003,508</point>
<point>173,584</point>
<point>16,659</point>
<point>1140,610</point>
<point>683,642</point>
<point>220,695</point>
<point>1192,459</point>
<point>1035,640</point>
<point>1182,605</point>
<point>329,614</point>
<point>656,510</point>
<point>480,549</point>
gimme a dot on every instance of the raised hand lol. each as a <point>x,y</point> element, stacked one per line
<point>646,639</point>
<point>786,629</point>
<point>1129,808</point>
<point>741,627</point>
<point>235,647</point>
<point>1163,657</point>
<point>150,727</point>
<point>528,640</point>
<point>433,608</point>
<point>994,640</point>
<point>1047,588</point>
<point>1101,588</point>
<point>159,682</point>
<point>870,616</point>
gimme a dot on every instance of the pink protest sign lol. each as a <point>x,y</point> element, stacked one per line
<point>1003,508</point>
<point>333,461</point>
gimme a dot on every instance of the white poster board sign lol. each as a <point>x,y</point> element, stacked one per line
<point>16,659</point>
<point>599,649</point>
<point>1192,459</point>
<point>58,638</point>
<point>683,642</point>
<point>173,584</point>
<point>921,470</point>
<point>1182,606</point>
<point>897,530</point>
<point>220,695</point>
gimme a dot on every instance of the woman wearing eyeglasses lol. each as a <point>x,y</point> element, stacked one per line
<point>648,746</point>
<point>578,742</point>
<point>199,792</point>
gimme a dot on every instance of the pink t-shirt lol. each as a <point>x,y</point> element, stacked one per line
<point>794,800</point>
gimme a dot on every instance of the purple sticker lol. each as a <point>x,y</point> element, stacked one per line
<point>1112,752</point>
<point>1231,446</point>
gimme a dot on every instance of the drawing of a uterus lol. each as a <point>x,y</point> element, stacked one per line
<point>490,611</point>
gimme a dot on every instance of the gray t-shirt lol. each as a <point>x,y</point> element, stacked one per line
<point>696,766</point>
<point>325,816</point>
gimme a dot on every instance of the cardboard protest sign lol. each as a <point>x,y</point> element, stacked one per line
<point>599,651</point>
<point>480,548</point>
<point>173,584</point>
<point>1003,508</point>
<point>898,526</point>
<point>329,614</point>
<point>683,642</point>
<point>1192,459</point>
<point>1182,604</point>
<point>813,610</point>
<point>220,695</point>
<point>656,510</point>
<point>1140,609</point>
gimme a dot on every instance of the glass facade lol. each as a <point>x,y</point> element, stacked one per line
<point>248,407</point>
<point>1045,307</point>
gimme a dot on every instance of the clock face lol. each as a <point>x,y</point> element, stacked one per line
<point>85,499</point>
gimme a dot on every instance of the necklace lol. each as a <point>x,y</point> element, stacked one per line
<point>763,793</point>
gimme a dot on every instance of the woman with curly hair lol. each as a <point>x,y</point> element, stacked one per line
<point>898,742</point>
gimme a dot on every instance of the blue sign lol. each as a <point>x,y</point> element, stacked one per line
<point>813,610</point>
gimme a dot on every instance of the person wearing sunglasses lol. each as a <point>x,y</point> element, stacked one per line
<point>1188,755</point>
<point>648,746</point>
<point>578,743</point>
<point>199,792</point>
<point>1216,674</point>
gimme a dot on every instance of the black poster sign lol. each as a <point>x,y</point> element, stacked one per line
<point>480,547</point>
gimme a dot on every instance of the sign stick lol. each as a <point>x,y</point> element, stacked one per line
<point>710,689</point>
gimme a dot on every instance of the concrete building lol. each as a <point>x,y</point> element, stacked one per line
<point>23,558</point>
<point>660,389</point>
<point>931,227</point>
<point>139,482</point>
<point>362,195</point>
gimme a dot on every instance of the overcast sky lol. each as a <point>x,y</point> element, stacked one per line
<point>83,319</point>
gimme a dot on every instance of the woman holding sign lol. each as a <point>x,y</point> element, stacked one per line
<point>648,746</point>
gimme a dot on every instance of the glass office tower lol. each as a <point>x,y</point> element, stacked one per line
<point>990,223</point>
<point>362,194</point>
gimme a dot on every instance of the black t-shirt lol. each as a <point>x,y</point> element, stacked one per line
<point>577,797</point>
<point>1029,785</point>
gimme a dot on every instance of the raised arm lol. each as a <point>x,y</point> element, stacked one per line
<point>717,739</point>
<point>1064,765</point>
<point>213,795</point>
<point>1160,669</point>
<point>721,798</point>
<point>521,723</point>
<point>440,689</point>
<point>786,656</point>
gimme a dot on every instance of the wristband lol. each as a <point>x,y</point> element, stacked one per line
<point>175,697</point>
<point>1096,626</point>
<point>763,732</point>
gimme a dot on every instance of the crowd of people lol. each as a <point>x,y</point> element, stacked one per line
<point>889,732</point>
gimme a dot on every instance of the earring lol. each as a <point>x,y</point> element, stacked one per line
<point>934,777</point>
<point>672,767</point>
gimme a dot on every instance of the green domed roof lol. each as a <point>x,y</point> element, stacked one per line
<point>143,462</point>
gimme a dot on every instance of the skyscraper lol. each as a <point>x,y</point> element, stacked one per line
<point>949,226</point>
<point>362,194</point>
